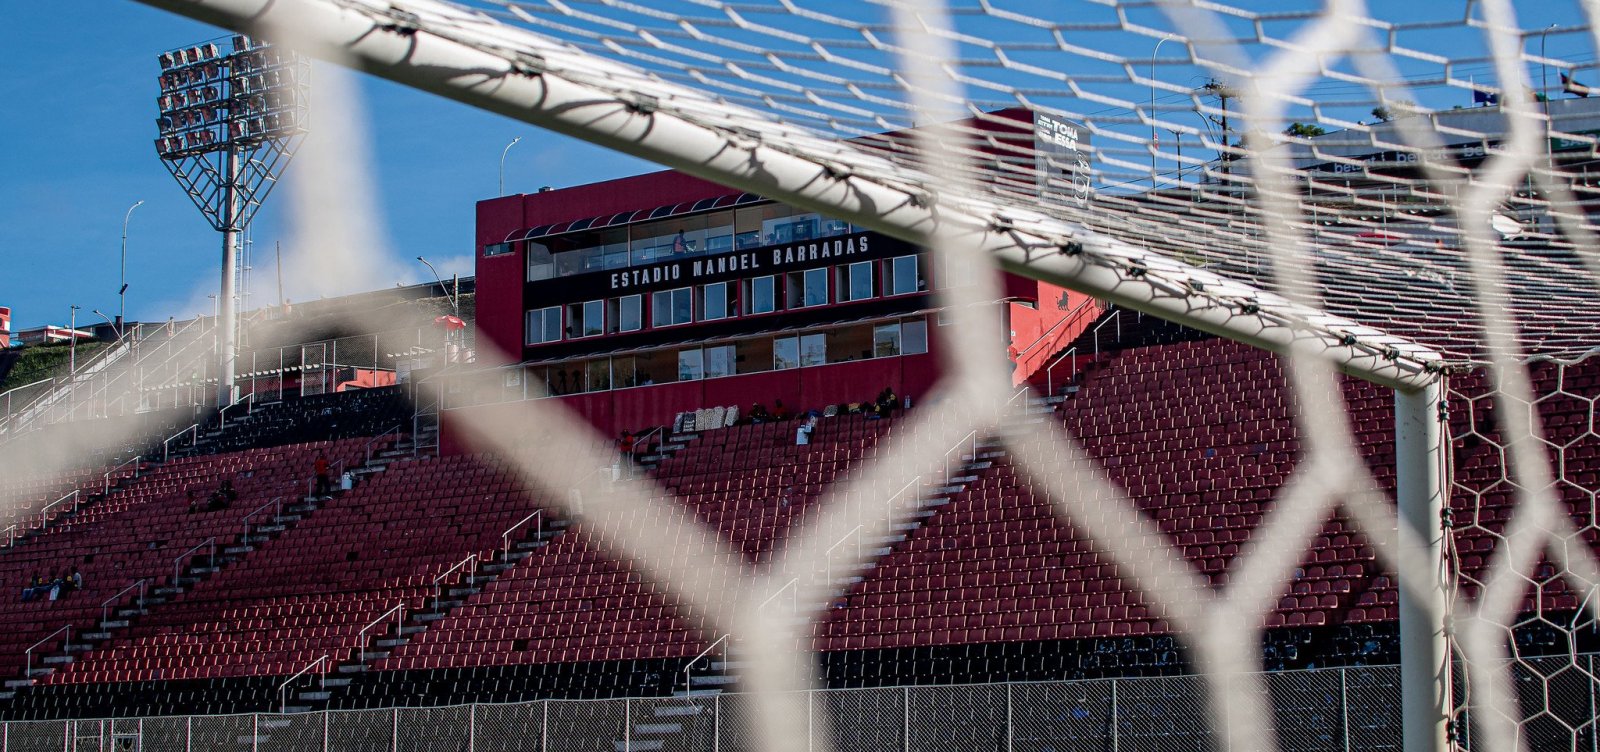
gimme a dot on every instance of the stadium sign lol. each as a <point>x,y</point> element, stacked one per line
<point>1061,160</point>
<point>760,261</point>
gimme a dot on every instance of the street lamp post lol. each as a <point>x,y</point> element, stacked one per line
<point>1153,135</point>
<point>455,306</point>
<point>1544,72</point>
<point>503,153</point>
<point>122,292</point>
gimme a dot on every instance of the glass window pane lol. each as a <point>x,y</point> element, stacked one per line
<point>552,324</point>
<point>683,306</point>
<point>762,296</point>
<point>594,318</point>
<point>540,265</point>
<point>661,308</point>
<point>813,350</point>
<point>861,281</point>
<point>905,276</point>
<point>628,319</point>
<point>785,353</point>
<point>914,336</point>
<point>691,364</point>
<point>716,303</point>
<point>816,287</point>
<point>885,340</point>
<point>719,361</point>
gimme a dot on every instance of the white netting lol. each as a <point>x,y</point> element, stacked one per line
<point>1403,244</point>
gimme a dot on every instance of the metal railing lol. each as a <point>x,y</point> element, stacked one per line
<point>794,595</point>
<point>44,512</point>
<point>688,671</point>
<point>970,441</point>
<point>283,698</point>
<point>177,563</point>
<point>166,444</point>
<point>1072,315</point>
<point>113,471</point>
<point>277,510</point>
<point>505,537</point>
<point>35,646</point>
<point>398,610</point>
<point>105,608</point>
<point>833,584</point>
<point>470,564</point>
<point>367,451</point>
<point>1049,370</point>
<point>247,400</point>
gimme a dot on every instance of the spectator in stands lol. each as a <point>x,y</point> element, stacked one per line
<point>802,435</point>
<point>625,445</point>
<point>779,412</point>
<point>56,586</point>
<point>759,414</point>
<point>34,587</point>
<point>320,469</point>
<point>194,504</point>
<point>888,402</point>
<point>76,579</point>
<point>228,494</point>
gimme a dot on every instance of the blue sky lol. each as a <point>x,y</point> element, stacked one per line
<point>79,87</point>
<point>78,130</point>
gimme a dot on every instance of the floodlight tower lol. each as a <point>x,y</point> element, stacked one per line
<point>230,122</point>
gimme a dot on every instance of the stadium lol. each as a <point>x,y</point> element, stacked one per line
<point>924,396</point>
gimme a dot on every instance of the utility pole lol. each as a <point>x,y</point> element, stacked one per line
<point>1223,94</point>
<point>277,247</point>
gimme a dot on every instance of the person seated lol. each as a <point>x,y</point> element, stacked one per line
<point>228,494</point>
<point>759,414</point>
<point>216,501</point>
<point>194,504</point>
<point>872,411</point>
<point>888,402</point>
<point>76,579</point>
<point>32,590</point>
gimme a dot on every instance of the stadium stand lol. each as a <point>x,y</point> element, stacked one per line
<point>989,584</point>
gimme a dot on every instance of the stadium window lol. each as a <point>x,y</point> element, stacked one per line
<point>717,301</point>
<point>813,349</point>
<point>901,276</point>
<point>719,361</point>
<point>849,343</point>
<point>785,353</point>
<point>886,340</point>
<point>854,281</point>
<point>544,325</point>
<point>760,295</point>
<point>598,372</point>
<point>913,336</point>
<point>496,249</point>
<point>540,264</point>
<point>586,319</point>
<point>672,307</point>
<point>691,364</point>
<point>624,314</point>
<point>807,288</point>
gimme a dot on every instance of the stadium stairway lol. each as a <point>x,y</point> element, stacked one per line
<point>123,615</point>
<point>672,724</point>
<point>449,597</point>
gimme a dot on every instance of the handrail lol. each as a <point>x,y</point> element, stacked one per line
<point>47,638</point>
<point>505,537</point>
<point>276,504</point>
<point>688,684</point>
<point>105,608</point>
<point>829,555</point>
<point>283,700</point>
<point>1068,316</point>
<point>249,399</point>
<point>973,437</point>
<point>177,563</point>
<point>166,445</point>
<point>367,450</point>
<point>1115,316</point>
<point>362,635</point>
<point>44,512</point>
<point>113,471</point>
<point>438,591</point>
<point>1049,370</point>
<point>794,597</point>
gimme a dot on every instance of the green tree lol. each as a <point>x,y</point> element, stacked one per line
<point>1305,130</point>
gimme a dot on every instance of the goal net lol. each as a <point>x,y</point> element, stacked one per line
<point>1397,194</point>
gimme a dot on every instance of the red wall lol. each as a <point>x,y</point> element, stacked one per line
<point>500,278</point>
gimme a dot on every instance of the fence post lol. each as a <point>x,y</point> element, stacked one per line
<point>472,727</point>
<point>255,731</point>
<point>188,733</point>
<point>716,722</point>
<point>544,728</point>
<point>1010,727</point>
<point>394,732</point>
<point>326,717</point>
<point>1116,731</point>
<point>627,725</point>
<point>905,719</point>
<point>1344,706</point>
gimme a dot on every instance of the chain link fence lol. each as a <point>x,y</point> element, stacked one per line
<point>1315,711</point>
